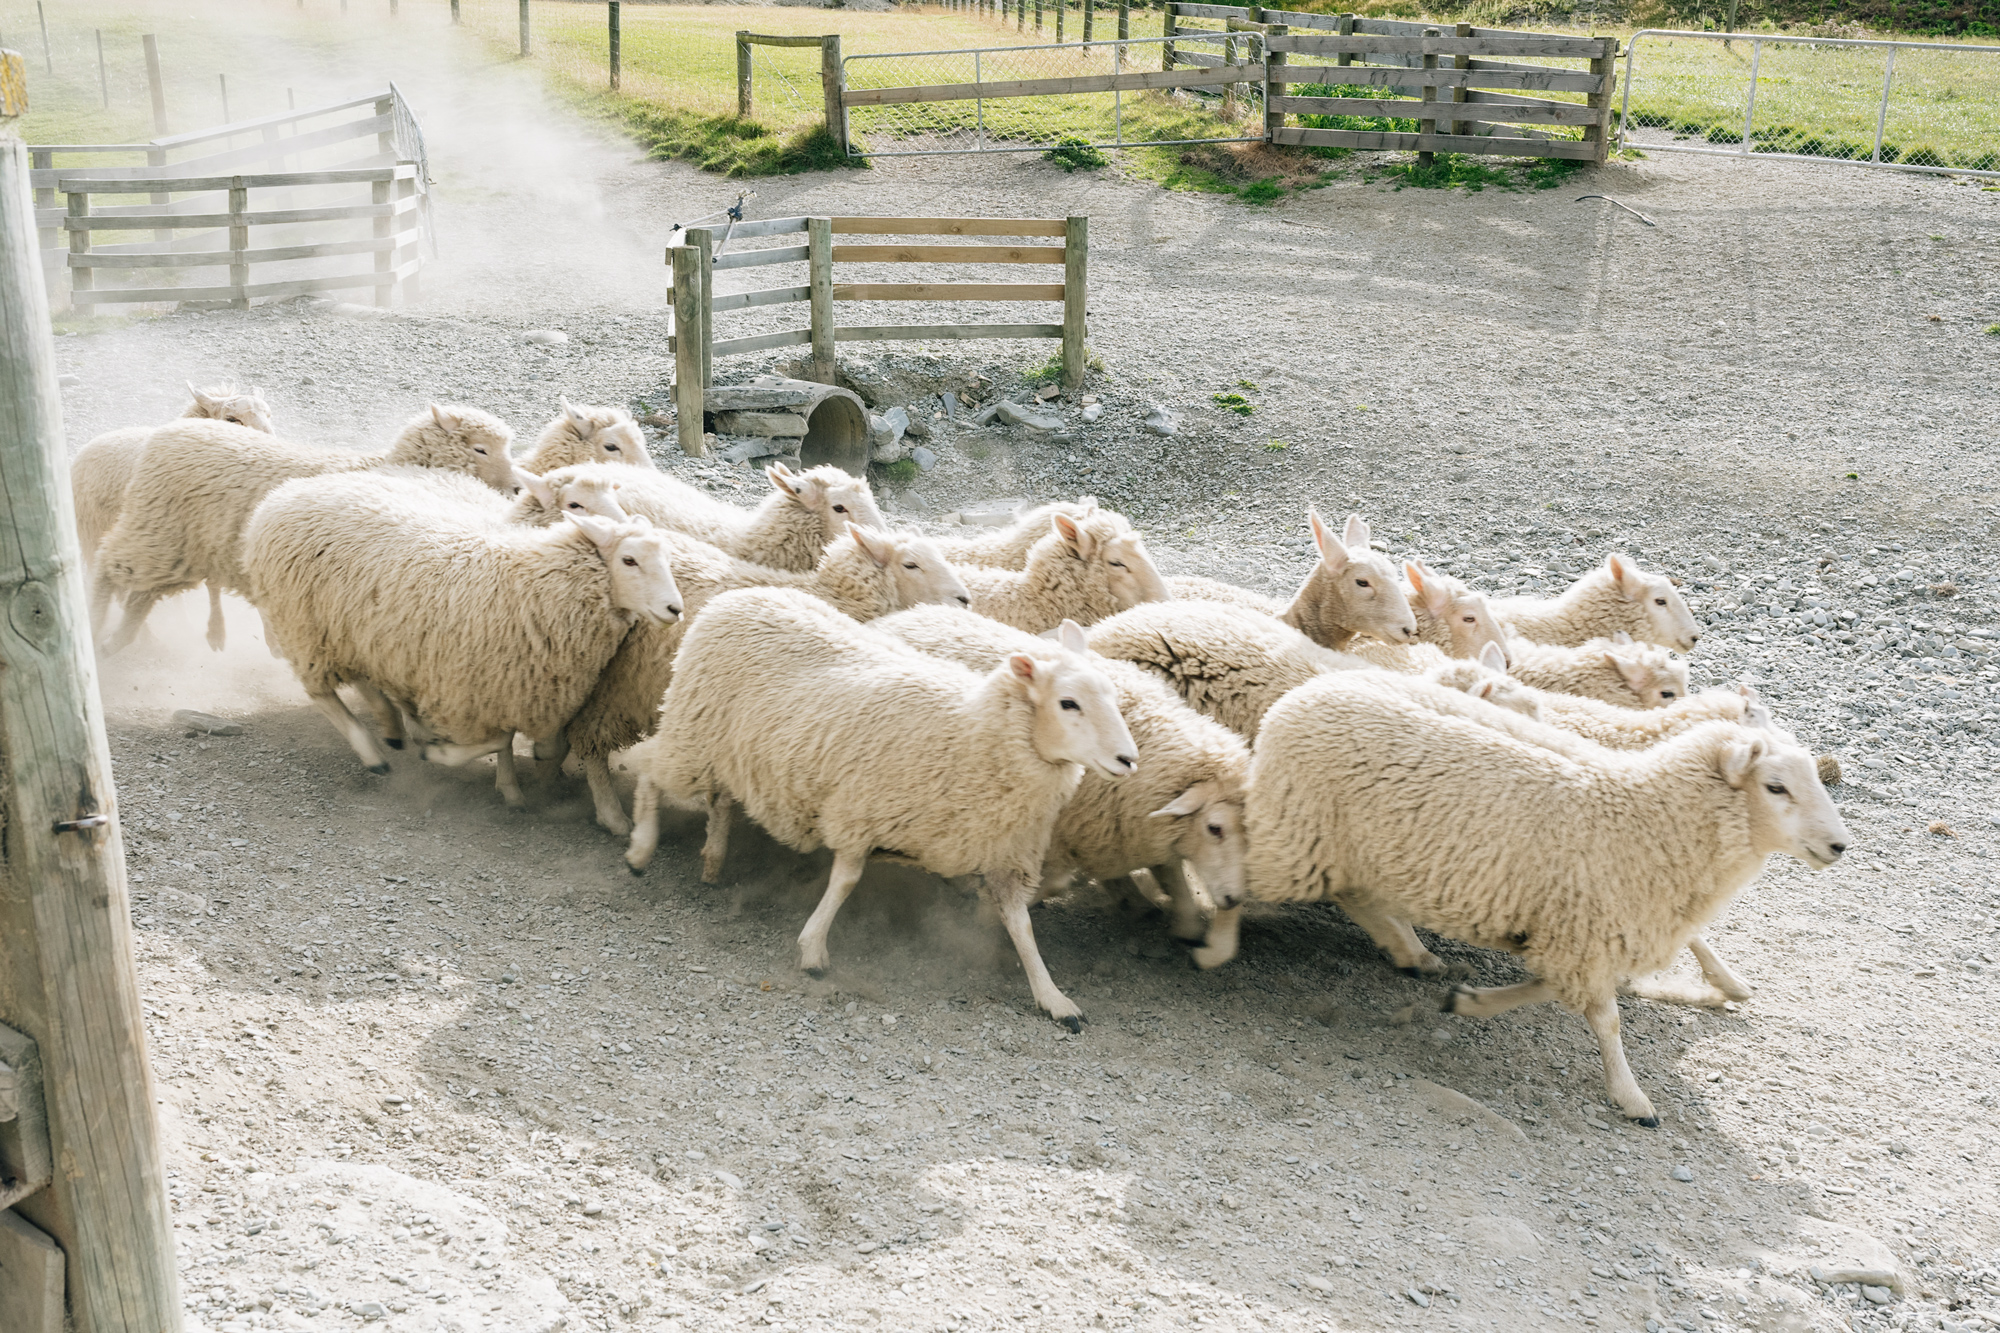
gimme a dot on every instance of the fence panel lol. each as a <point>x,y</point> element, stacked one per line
<point>1911,106</point>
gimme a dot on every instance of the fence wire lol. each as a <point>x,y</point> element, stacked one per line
<point>1918,106</point>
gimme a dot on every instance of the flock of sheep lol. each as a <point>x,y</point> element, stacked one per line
<point>1030,705</point>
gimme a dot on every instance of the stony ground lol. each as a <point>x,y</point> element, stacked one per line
<point>429,1064</point>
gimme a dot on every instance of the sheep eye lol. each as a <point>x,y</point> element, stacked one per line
<point>840,509</point>
<point>1215,830</point>
<point>1659,601</point>
<point>1118,564</point>
<point>1470,620</point>
<point>909,564</point>
<point>1072,706</point>
<point>1361,583</point>
<point>631,562</point>
<point>573,505</point>
<point>478,449</point>
<point>1775,788</point>
<point>610,448</point>
<point>234,421</point>
<point>1666,694</point>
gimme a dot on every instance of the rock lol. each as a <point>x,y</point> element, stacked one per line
<point>787,424</point>
<point>1457,1105</point>
<point>1046,392</point>
<point>1502,1237</point>
<point>1684,1174</point>
<point>1018,414</point>
<point>918,430</point>
<point>1320,1285</point>
<point>68,381</point>
<point>925,459</point>
<point>1829,769</point>
<point>545,337</point>
<point>1161,421</point>
<point>742,451</point>
<point>1092,411</point>
<point>205,724</point>
<point>985,414</point>
<point>999,513</point>
<point>949,401</point>
<point>1877,1295</point>
<point>885,436</point>
<point>369,1310</point>
<point>1417,1298</point>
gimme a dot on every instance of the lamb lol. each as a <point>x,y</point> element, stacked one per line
<point>103,468</point>
<point>481,627</point>
<point>544,500</point>
<point>832,734</point>
<point>1187,806</point>
<point>1614,596</point>
<point>1008,547</point>
<point>1450,616</point>
<point>863,575</point>
<point>1615,671</point>
<point>1084,570</point>
<point>1387,794</point>
<point>585,434</point>
<point>199,481</point>
<point>788,530</point>
<point>1351,591</point>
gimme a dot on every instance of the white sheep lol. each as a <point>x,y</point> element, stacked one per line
<point>1614,596</point>
<point>198,482</point>
<point>1008,547</point>
<point>1450,616</point>
<point>1185,805</point>
<point>863,574</point>
<point>1084,570</point>
<point>831,734</point>
<point>582,490</point>
<point>103,468</point>
<point>1616,671</point>
<point>1351,591</point>
<point>587,434</point>
<point>788,530</point>
<point>1410,804</point>
<point>398,578</point>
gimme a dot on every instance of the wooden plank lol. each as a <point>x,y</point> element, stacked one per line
<point>332,282</point>
<point>947,226</point>
<point>947,291</point>
<point>89,147</point>
<point>72,184</point>
<point>1546,113</point>
<point>947,254</point>
<point>206,258</point>
<point>819,275</point>
<point>779,254</point>
<point>1133,81</point>
<point>767,296</point>
<point>1437,143</point>
<point>762,342</point>
<point>269,218</point>
<point>1545,81</point>
<point>767,39</point>
<point>281,118</point>
<point>256,152</point>
<point>918,332</point>
<point>767,227</point>
<point>1577,48</point>
<point>1295,19</point>
<point>31,1296</point>
<point>1075,300</point>
<point>1188,11</point>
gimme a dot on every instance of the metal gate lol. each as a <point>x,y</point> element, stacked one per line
<point>1018,99</point>
<point>1906,106</point>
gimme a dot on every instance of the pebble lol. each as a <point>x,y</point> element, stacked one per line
<point>1320,1285</point>
<point>1878,1295</point>
<point>1684,1174</point>
<point>1417,1298</point>
<point>1160,420</point>
<point>545,337</point>
<point>369,1310</point>
<point>1092,411</point>
<point>205,724</point>
<point>68,381</point>
<point>924,458</point>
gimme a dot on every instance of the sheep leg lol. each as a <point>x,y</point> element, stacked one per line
<point>1487,1001</point>
<point>506,777</point>
<point>100,601</point>
<point>1134,892</point>
<point>1219,946</point>
<point>138,606</point>
<point>715,847</point>
<point>847,868</point>
<point>1185,900</point>
<point>218,630</point>
<point>452,755</point>
<point>1602,1015</point>
<point>610,812</point>
<point>645,827</point>
<point>550,751</point>
<point>358,736</point>
<point>1394,935</point>
<point>386,715</point>
<point>1716,972</point>
<point>1012,892</point>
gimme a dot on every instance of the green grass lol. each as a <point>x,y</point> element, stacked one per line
<point>902,472</point>
<point>1235,402</point>
<point>1073,151</point>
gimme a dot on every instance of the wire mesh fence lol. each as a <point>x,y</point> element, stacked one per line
<point>973,111</point>
<point>1920,106</point>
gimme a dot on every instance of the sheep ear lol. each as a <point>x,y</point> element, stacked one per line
<point>1625,576</point>
<point>601,531</point>
<point>1736,762</point>
<point>1073,535</point>
<point>1330,550</point>
<point>1187,803</point>
<point>1493,657</point>
<point>1070,635</point>
<point>1435,594</point>
<point>545,494</point>
<point>1621,637</point>
<point>1637,675</point>
<point>577,416</point>
<point>445,417</point>
<point>1022,665</point>
<point>201,399</point>
<point>878,545</point>
<point>782,478</point>
<point>1356,536</point>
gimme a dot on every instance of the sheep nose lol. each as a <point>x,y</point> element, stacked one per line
<point>1836,847</point>
<point>1409,631</point>
<point>1129,763</point>
<point>674,611</point>
<point>964,600</point>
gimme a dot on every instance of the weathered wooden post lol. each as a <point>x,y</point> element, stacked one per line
<point>239,244</point>
<point>1089,17</point>
<point>1274,82</point>
<point>103,78</point>
<point>745,102</point>
<point>527,48</point>
<point>454,11</point>
<point>819,270</point>
<point>153,83</point>
<point>1427,125</point>
<point>688,351</point>
<point>65,925</point>
<point>1346,29</point>
<point>1460,61</point>
<point>1605,66</point>
<point>1076,296</point>
<point>614,46</point>
<point>1124,20</point>
<point>49,54</point>
<point>1168,13</point>
<point>703,241</point>
<point>406,192</point>
<point>833,78</point>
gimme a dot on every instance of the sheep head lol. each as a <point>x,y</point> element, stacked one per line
<point>1109,539</point>
<point>1669,622</point>
<point>223,402</point>
<point>1463,613</point>
<point>838,497</point>
<point>1076,717</point>
<point>1356,589</point>
<point>1790,813</point>
<point>917,569</point>
<point>635,554</point>
<point>608,433</point>
<point>1210,835</point>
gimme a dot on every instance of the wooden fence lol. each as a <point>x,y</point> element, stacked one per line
<point>829,74</point>
<point>695,303</point>
<point>198,212</point>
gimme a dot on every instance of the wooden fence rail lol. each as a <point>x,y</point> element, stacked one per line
<point>695,302</point>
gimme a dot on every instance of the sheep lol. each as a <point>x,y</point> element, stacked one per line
<point>483,628</point>
<point>789,530</point>
<point>1084,570</point>
<point>544,500</point>
<point>1008,547</point>
<point>1614,671</point>
<point>1351,591</point>
<point>1450,616</point>
<point>103,468</point>
<point>198,482</point>
<point>862,575</point>
<point>1186,807</point>
<point>585,434</point>
<point>1408,804</point>
<point>834,735</point>
<point>1612,597</point>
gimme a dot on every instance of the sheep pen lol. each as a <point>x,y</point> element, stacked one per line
<point>550,1029</point>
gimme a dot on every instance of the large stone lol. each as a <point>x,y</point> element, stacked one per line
<point>1020,414</point>
<point>787,424</point>
<point>1500,1237</point>
<point>205,724</point>
<point>1162,421</point>
<point>743,450</point>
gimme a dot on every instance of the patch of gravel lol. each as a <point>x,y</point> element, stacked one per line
<point>425,1063</point>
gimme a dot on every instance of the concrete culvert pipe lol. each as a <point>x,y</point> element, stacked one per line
<point>837,433</point>
<point>820,423</point>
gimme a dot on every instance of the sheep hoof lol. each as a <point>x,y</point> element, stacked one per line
<point>379,770</point>
<point>636,872</point>
<point>393,742</point>
<point>1423,972</point>
<point>814,972</point>
<point>1451,997</point>
<point>1074,1022</point>
<point>1647,1121</point>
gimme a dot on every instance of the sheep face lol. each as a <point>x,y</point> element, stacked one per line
<point>837,497</point>
<point>476,441</point>
<point>642,580</point>
<point>1359,586</point>
<point>1506,692</point>
<point>1075,707</point>
<point>1670,623</point>
<point>1790,812</point>
<point>1131,573</point>
<point>1211,837</point>
<point>1462,612</point>
<point>1654,678</point>
<point>566,492</point>
<point>609,434</point>
<point>917,569</point>
<point>224,403</point>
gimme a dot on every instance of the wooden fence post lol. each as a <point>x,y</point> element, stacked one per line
<point>1604,66</point>
<point>156,159</point>
<point>526,48</point>
<point>819,264</point>
<point>744,102</point>
<point>1089,20</point>
<point>239,242</point>
<point>49,54</point>
<point>687,350</point>
<point>103,77</point>
<point>833,78</point>
<point>1460,62</point>
<point>406,189</point>
<point>1346,29</point>
<point>158,89</point>
<point>45,197</point>
<point>703,241</point>
<point>65,920</point>
<point>1076,295</point>
<point>1124,20</point>
<point>454,11</point>
<point>615,58</point>
<point>1169,12</point>
<point>1428,125</point>
<point>1274,82</point>
<point>385,260</point>
<point>80,279</point>
<point>1062,7</point>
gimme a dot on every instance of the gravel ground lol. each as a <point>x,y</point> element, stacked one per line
<point>429,1064</point>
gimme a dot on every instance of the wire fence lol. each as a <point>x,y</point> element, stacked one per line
<point>1919,106</point>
